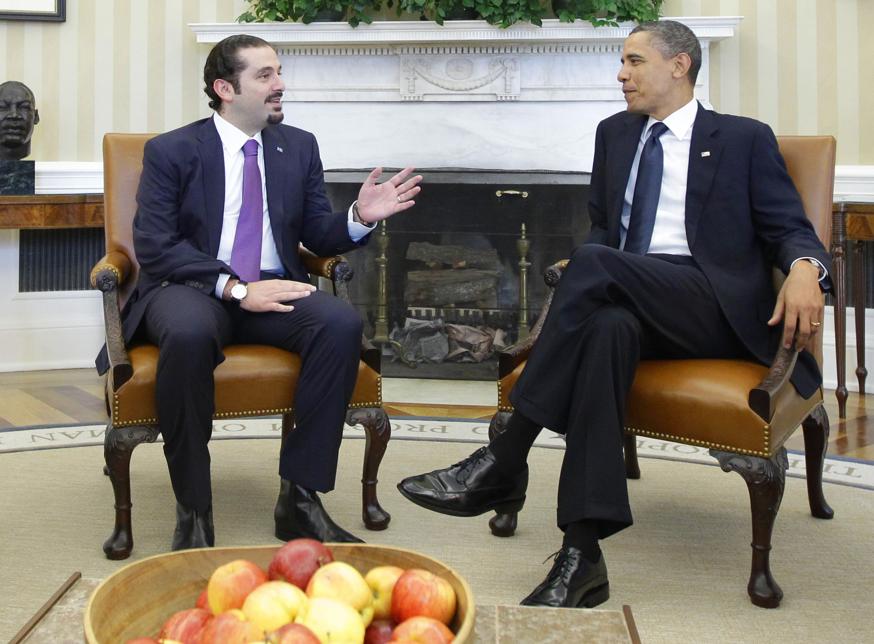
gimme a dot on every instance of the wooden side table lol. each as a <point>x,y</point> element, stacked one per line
<point>851,221</point>
<point>51,211</point>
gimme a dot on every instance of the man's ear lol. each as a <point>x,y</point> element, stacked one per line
<point>35,117</point>
<point>682,63</point>
<point>224,89</point>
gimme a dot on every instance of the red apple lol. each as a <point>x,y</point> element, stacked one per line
<point>419,592</point>
<point>230,628</point>
<point>185,625</point>
<point>425,630</point>
<point>382,581</point>
<point>297,560</point>
<point>231,583</point>
<point>293,634</point>
<point>202,601</point>
<point>379,632</point>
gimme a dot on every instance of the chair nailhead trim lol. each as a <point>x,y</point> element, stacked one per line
<point>764,452</point>
<point>116,411</point>
<point>109,267</point>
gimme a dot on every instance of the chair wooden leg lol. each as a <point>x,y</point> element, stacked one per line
<point>378,432</point>
<point>503,524</point>
<point>765,478</point>
<point>118,445</point>
<point>816,429</point>
<point>632,467</point>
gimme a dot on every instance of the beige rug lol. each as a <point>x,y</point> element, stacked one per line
<point>683,567</point>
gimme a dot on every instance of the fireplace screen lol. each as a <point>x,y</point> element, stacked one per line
<point>445,286</point>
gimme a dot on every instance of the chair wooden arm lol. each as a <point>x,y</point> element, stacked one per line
<point>763,397</point>
<point>107,276</point>
<point>515,354</point>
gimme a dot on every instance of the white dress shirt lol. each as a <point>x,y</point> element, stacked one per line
<point>233,139</point>
<point>669,231</point>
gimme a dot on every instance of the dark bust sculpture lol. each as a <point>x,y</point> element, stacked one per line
<point>18,115</point>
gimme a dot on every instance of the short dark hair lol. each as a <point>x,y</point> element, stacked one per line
<point>224,62</point>
<point>672,38</point>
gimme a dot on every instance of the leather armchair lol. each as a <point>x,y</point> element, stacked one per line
<point>742,411</point>
<point>265,376</point>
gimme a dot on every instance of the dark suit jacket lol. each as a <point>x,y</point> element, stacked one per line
<point>743,217</point>
<point>180,207</point>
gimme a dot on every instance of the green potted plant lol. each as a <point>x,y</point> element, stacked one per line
<point>607,12</point>
<point>502,13</point>
<point>307,11</point>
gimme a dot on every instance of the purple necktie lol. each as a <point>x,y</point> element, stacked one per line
<point>647,190</point>
<point>246,252</point>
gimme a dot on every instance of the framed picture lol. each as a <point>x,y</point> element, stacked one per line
<point>52,10</point>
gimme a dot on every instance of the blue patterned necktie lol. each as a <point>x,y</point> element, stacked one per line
<point>246,252</point>
<point>646,192</point>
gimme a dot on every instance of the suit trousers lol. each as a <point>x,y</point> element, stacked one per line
<point>191,330</point>
<point>611,309</point>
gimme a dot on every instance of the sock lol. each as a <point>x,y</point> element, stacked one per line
<point>511,446</point>
<point>583,535</point>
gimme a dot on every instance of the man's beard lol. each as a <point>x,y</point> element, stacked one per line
<point>275,119</point>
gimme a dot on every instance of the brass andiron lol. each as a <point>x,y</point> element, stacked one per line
<point>522,245</point>
<point>380,327</point>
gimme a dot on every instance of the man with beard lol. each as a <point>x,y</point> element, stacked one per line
<point>222,206</point>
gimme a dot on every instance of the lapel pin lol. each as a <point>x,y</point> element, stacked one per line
<point>706,153</point>
<point>279,149</point>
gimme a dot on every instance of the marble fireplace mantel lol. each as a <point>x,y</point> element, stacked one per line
<point>464,95</point>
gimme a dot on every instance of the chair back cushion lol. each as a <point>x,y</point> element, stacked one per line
<point>810,161</point>
<point>122,166</point>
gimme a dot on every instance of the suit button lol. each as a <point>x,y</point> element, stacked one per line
<point>165,283</point>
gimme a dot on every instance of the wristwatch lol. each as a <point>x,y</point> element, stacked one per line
<point>239,291</point>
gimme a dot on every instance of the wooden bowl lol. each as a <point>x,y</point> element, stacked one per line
<point>136,600</point>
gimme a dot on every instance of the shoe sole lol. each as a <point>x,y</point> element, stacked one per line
<point>504,507</point>
<point>595,597</point>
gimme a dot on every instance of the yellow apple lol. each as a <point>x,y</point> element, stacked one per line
<point>333,621</point>
<point>338,580</point>
<point>382,581</point>
<point>274,604</point>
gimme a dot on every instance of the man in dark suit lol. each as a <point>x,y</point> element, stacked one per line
<point>690,210</point>
<point>223,205</point>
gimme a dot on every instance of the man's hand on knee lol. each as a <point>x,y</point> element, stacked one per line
<point>274,295</point>
<point>800,306</point>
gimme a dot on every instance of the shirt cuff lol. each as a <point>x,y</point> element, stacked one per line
<point>822,272</point>
<point>357,231</point>
<point>220,284</point>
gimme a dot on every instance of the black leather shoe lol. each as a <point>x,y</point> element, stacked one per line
<point>193,529</point>
<point>299,513</point>
<point>573,582</point>
<point>468,488</point>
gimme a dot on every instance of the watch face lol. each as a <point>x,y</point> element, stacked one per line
<point>239,291</point>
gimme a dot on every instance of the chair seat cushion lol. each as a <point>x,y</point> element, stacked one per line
<point>254,380</point>
<point>703,402</point>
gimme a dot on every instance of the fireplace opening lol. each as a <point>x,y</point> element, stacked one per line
<point>445,286</point>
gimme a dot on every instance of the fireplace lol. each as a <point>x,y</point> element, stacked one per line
<point>510,111</point>
<point>447,284</point>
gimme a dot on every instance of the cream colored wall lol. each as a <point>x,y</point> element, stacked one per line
<point>117,65</point>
